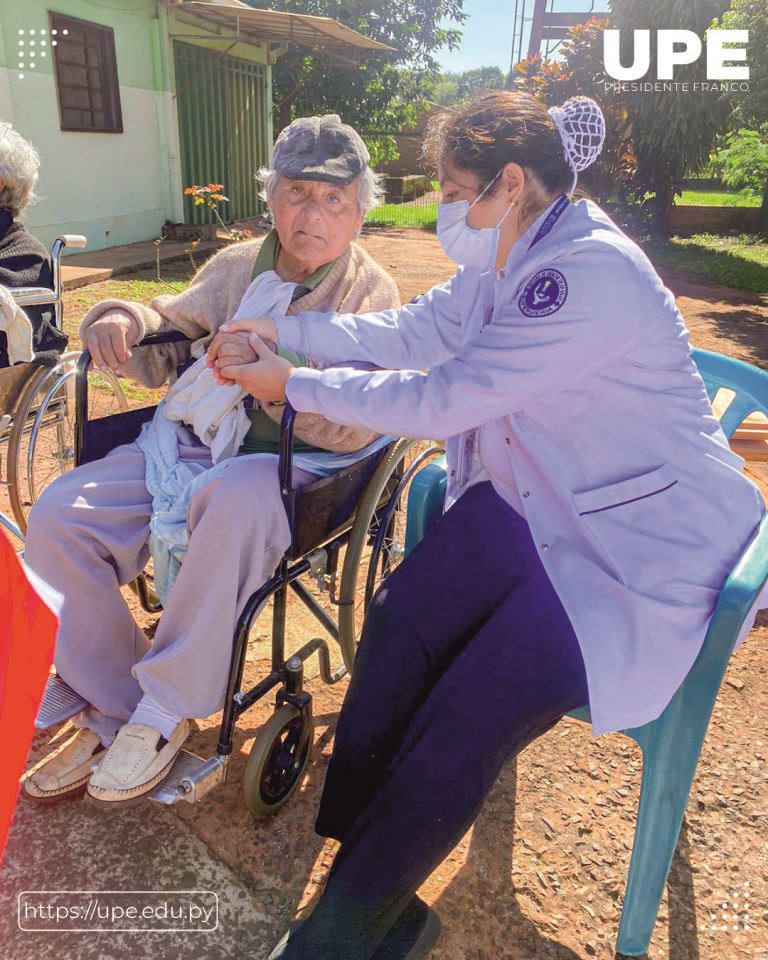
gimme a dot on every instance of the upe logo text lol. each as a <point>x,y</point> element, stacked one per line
<point>678,48</point>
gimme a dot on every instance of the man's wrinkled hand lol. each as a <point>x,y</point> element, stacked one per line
<point>227,350</point>
<point>266,379</point>
<point>108,339</point>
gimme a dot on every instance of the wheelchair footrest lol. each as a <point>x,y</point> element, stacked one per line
<point>60,702</point>
<point>190,778</point>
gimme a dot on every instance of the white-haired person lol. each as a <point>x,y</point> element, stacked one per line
<point>594,513</point>
<point>223,530</point>
<point>24,261</point>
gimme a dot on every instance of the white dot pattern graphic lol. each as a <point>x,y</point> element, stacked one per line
<point>30,48</point>
<point>739,917</point>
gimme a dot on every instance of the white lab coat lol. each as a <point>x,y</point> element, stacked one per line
<point>593,423</point>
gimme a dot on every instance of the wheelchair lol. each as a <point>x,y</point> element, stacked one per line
<point>347,534</point>
<point>37,405</point>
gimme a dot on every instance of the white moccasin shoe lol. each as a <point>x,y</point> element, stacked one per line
<point>65,770</point>
<point>137,760</point>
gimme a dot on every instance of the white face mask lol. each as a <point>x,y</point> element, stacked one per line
<point>466,245</point>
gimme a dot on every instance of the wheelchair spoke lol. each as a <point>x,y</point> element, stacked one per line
<point>377,550</point>
<point>42,441</point>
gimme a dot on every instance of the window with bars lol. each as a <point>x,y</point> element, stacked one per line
<point>86,75</point>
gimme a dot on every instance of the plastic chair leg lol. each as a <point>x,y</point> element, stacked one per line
<point>671,750</point>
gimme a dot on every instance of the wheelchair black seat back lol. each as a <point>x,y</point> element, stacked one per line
<point>355,518</point>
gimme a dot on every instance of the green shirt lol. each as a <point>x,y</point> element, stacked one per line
<point>264,434</point>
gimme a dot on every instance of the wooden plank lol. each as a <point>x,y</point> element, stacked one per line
<point>751,431</point>
<point>755,451</point>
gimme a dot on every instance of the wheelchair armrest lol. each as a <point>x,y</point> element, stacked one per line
<point>32,296</point>
<point>81,382</point>
<point>170,336</point>
<point>84,360</point>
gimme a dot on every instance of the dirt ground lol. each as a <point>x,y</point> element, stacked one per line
<point>541,874</point>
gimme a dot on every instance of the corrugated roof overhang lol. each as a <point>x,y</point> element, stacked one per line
<point>256,26</point>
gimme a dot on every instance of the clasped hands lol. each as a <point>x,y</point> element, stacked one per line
<point>243,353</point>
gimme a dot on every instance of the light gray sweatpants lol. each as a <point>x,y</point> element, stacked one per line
<point>87,537</point>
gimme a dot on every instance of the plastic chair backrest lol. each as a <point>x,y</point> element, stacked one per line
<point>425,502</point>
<point>748,384</point>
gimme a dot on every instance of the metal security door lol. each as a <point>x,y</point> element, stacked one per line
<point>222,109</point>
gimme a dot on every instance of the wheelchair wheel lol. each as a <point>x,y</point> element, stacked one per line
<point>377,542</point>
<point>41,443</point>
<point>278,759</point>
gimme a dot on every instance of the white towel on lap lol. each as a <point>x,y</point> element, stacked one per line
<point>18,329</point>
<point>217,417</point>
<point>216,413</point>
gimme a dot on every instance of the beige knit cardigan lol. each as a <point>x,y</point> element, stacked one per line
<point>354,284</point>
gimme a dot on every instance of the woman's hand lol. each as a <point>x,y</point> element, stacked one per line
<point>263,327</point>
<point>227,350</point>
<point>232,349</point>
<point>237,330</point>
<point>265,379</point>
<point>108,338</point>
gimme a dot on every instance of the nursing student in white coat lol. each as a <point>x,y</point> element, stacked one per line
<point>594,507</point>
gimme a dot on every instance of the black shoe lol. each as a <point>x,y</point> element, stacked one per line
<point>414,934</point>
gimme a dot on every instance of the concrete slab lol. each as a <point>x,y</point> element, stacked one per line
<point>71,847</point>
<point>80,269</point>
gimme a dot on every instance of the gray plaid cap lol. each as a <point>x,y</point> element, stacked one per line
<point>320,148</point>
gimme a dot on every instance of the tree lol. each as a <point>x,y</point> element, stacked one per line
<point>474,82</point>
<point>752,15</point>
<point>743,161</point>
<point>581,72</point>
<point>752,105</point>
<point>382,93</point>
<point>450,87</point>
<point>672,131</point>
<point>445,89</point>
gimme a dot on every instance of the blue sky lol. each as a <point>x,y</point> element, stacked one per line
<point>487,34</point>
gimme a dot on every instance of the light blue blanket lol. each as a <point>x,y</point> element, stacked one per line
<point>173,482</point>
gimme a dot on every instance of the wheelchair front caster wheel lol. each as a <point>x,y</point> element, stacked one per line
<point>278,759</point>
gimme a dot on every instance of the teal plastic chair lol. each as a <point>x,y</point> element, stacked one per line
<point>671,744</point>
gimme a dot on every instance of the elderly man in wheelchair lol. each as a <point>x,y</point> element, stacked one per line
<point>200,484</point>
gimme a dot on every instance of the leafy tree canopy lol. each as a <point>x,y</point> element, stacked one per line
<point>752,15</point>
<point>743,161</point>
<point>451,87</point>
<point>378,93</point>
<point>654,136</point>
<point>580,71</point>
<point>672,132</point>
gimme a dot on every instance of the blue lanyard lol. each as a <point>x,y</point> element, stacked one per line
<point>554,215</point>
<point>469,437</point>
<point>558,209</point>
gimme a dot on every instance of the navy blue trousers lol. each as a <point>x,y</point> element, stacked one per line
<point>467,655</point>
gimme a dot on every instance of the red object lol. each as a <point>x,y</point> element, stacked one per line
<point>27,637</point>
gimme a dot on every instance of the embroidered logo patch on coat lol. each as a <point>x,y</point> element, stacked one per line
<point>544,294</point>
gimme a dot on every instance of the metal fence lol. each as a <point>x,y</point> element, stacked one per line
<point>403,212</point>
